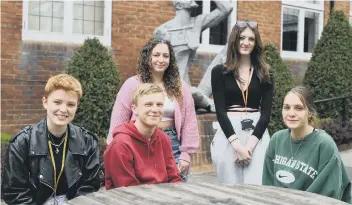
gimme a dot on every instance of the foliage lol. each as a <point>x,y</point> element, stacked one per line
<point>339,131</point>
<point>94,67</point>
<point>330,69</point>
<point>283,82</point>
<point>5,138</point>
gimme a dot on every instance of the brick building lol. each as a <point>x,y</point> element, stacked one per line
<point>38,38</point>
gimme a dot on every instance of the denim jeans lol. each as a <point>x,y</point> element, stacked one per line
<point>175,143</point>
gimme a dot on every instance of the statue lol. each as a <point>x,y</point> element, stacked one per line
<point>184,31</point>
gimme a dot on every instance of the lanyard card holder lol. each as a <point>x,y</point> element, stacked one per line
<point>247,124</point>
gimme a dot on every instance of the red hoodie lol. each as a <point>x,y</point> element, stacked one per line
<point>131,159</point>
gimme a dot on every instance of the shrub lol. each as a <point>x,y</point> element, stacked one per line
<point>94,67</point>
<point>5,139</point>
<point>330,69</point>
<point>283,82</point>
<point>339,131</point>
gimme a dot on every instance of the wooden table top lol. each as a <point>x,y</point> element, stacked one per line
<point>202,193</point>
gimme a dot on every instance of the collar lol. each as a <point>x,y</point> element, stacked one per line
<point>38,143</point>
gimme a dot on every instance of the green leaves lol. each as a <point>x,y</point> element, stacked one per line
<point>330,69</point>
<point>283,83</point>
<point>93,66</point>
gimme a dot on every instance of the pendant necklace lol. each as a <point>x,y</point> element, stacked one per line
<point>57,146</point>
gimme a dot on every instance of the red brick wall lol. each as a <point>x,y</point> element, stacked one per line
<point>339,5</point>
<point>26,66</point>
<point>133,24</point>
<point>268,16</point>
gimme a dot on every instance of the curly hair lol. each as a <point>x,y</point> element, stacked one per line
<point>171,78</point>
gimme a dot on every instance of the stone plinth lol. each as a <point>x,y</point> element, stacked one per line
<point>201,161</point>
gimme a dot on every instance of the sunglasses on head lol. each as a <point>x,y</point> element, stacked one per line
<point>247,23</point>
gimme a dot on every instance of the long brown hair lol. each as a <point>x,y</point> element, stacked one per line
<point>257,58</point>
<point>172,80</point>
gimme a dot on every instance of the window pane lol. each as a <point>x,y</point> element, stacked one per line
<point>312,1</point>
<point>45,24</point>
<point>58,9</point>
<point>218,33</point>
<point>99,28</point>
<point>33,23</point>
<point>58,24</point>
<point>77,11</point>
<point>197,11</point>
<point>88,27</point>
<point>99,3</point>
<point>290,29</point>
<point>33,7</point>
<point>89,18</point>
<point>88,13</point>
<point>91,3</point>
<point>99,14</point>
<point>311,23</point>
<point>46,8</point>
<point>78,26</point>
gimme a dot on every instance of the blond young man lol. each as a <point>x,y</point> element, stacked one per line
<point>140,153</point>
<point>54,160</point>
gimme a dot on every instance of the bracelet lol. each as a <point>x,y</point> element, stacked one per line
<point>233,140</point>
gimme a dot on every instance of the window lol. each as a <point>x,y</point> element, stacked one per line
<point>351,12</point>
<point>214,39</point>
<point>67,21</point>
<point>302,24</point>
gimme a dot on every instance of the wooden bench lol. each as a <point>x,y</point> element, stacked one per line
<point>202,193</point>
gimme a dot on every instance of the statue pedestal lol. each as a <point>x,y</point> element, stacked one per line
<point>201,161</point>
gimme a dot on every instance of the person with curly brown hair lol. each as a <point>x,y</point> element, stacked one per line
<point>157,64</point>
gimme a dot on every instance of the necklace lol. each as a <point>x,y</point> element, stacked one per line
<point>299,146</point>
<point>57,146</point>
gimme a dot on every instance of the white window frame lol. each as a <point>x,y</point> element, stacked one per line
<point>67,36</point>
<point>302,7</point>
<point>205,47</point>
<point>350,12</point>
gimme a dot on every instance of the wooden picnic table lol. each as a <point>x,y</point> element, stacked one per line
<point>202,193</point>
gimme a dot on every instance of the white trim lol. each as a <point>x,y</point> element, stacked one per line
<point>316,8</point>
<point>304,5</point>
<point>350,12</point>
<point>67,36</point>
<point>205,47</point>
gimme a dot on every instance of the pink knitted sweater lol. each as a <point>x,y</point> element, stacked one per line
<point>185,116</point>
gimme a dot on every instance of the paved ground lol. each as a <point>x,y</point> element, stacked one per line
<point>210,177</point>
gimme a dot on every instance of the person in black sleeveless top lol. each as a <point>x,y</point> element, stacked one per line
<point>243,92</point>
<point>54,160</point>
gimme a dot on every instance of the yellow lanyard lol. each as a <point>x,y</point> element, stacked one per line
<point>245,95</point>
<point>62,163</point>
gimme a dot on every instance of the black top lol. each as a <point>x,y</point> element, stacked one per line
<point>62,185</point>
<point>226,92</point>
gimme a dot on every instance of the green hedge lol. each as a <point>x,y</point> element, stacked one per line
<point>330,69</point>
<point>283,82</point>
<point>94,67</point>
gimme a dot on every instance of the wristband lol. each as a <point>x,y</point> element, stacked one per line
<point>233,140</point>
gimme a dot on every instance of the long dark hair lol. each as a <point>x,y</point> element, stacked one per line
<point>257,58</point>
<point>172,80</point>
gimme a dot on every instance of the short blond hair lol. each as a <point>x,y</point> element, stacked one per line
<point>63,81</point>
<point>145,89</point>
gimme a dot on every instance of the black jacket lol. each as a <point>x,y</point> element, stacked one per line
<point>28,171</point>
